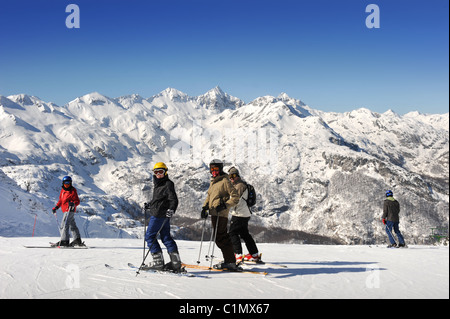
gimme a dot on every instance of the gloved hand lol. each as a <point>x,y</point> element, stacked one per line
<point>384,221</point>
<point>204,213</point>
<point>170,213</point>
<point>222,206</point>
<point>146,206</point>
<point>71,206</point>
<point>54,209</point>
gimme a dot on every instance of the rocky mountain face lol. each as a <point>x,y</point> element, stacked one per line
<point>320,176</point>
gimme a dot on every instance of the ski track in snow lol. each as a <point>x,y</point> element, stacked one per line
<point>313,271</point>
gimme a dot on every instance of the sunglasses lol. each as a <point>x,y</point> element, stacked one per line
<point>159,172</point>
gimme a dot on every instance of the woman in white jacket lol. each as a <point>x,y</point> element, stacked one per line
<point>239,221</point>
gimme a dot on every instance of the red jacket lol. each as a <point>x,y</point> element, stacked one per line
<point>68,195</point>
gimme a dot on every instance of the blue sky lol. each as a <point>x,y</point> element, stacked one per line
<point>318,51</point>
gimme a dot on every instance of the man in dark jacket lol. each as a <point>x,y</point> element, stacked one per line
<point>391,219</point>
<point>162,207</point>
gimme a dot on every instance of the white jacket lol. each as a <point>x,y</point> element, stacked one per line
<point>241,209</point>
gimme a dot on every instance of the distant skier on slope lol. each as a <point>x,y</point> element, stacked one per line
<point>391,219</point>
<point>220,198</point>
<point>162,207</point>
<point>68,201</point>
<point>240,216</point>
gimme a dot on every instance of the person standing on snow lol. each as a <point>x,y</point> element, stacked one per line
<point>220,198</point>
<point>68,201</point>
<point>162,207</point>
<point>391,219</point>
<point>239,221</point>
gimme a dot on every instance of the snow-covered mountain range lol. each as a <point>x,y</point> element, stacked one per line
<point>320,176</point>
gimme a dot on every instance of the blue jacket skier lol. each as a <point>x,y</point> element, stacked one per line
<point>162,207</point>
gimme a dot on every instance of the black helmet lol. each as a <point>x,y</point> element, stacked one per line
<point>216,163</point>
<point>67,180</point>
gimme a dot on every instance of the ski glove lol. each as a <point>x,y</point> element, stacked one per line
<point>170,213</point>
<point>54,209</point>
<point>222,206</point>
<point>71,206</point>
<point>204,213</point>
<point>384,221</point>
<point>146,206</point>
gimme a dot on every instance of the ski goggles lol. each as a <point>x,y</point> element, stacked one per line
<point>159,172</point>
<point>67,182</point>
<point>233,176</point>
<point>215,169</point>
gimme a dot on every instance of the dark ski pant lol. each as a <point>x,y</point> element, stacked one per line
<point>153,227</point>
<point>223,240</point>
<point>238,230</point>
<point>68,223</point>
<point>394,225</point>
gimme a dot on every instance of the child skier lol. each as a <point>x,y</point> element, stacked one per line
<point>68,201</point>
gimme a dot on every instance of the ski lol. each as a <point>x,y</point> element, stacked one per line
<point>246,262</point>
<point>242,271</point>
<point>161,272</point>
<point>146,269</point>
<point>58,247</point>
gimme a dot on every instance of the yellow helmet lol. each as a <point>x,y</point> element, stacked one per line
<point>161,165</point>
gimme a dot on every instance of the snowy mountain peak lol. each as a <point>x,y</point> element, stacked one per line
<point>7,102</point>
<point>173,94</point>
<point>95,98</point>
<point>128,101</point>
<point>23,99</point>
<point>216,99</point>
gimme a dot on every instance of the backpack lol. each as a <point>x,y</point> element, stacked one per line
<point>251,198</point>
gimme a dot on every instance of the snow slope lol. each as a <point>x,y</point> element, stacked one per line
<point>313,271</point>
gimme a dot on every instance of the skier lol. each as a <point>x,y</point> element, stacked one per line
<point>240,216</point>
<point>391,220</point>
<point>68,201</point>
<point>220,198</point>
<point>162,207</point>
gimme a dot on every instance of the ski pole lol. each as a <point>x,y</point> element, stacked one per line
<point>210,240</point>
<point>145,230</point>
<point>149,249</point>
<point>201,241</point>
<point>215,236</point>
<point>34,226</point>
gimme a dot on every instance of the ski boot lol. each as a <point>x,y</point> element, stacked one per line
<point>61,243</point>
<point>158,262</point>
<point>77,243</point>
<point>227,266</point>
<point>255,257</point>
<point>175,263</point>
